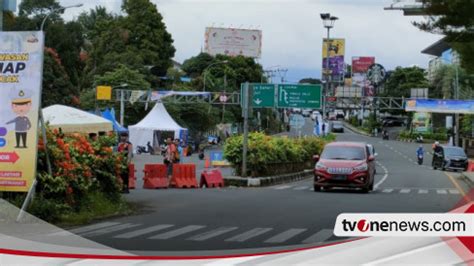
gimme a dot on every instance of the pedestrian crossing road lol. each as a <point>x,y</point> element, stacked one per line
<point>199,233</point>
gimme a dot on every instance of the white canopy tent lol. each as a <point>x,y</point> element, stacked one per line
<point>158,120</point>
<point>72,120</point>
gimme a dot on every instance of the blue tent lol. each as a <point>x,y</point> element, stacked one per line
<point>110,115</point>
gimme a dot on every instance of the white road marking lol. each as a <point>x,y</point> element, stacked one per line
<point>387,190</point>
<point>144,231</point>
<point>301,188</point>
<point>282,237</point>
<point>212,233</point>
<point>177,232</point>
<point>422,191</point>
<point>454,191</point>
<point>441,191</point>
<point>248,235</point>
<point>83,229</point>
<point>405,190</point>
<point>109,230</point>
<point>282,187</point>
<point>319,237</point>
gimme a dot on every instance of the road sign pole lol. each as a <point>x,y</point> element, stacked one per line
<point>246,105</point>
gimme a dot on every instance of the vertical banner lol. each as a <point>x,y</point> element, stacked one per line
<point>21,63</point>
<point>421,122</point>
<point>336,58</point>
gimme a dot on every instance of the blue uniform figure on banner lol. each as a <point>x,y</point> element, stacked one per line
<point>21,105</point>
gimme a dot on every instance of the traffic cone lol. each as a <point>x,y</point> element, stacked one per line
<point>207,163</point>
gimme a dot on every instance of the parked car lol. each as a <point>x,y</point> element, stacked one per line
<point>296,110</point>
<point>337,126</point>
<point>345,164</point>
<point>306,113</point>
<point>393,122</point>
<point>339,114</point>
<point>315,114</point>
<point>452,158</point>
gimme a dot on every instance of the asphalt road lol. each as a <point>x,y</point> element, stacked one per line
<point>236,220</point>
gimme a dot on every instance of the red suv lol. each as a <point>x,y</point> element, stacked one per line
<point>345,164</point>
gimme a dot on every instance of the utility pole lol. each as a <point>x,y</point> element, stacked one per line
<point>456,116</point>
<point>328,22</point>
<point>245,106</point>
<point>1,14</point>
<point>225,89</point>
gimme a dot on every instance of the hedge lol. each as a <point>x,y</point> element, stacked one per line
<point>269,155</point>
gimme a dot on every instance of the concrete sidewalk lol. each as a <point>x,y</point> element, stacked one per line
<point>469,177</point>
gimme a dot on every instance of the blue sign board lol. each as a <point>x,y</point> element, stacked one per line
<point>440,106</point>
<point>217,156</point>
<point>3,142</point>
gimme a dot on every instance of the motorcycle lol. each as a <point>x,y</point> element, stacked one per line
<point>385,135</point>
<point>420,159</point>
<point>144,150</point>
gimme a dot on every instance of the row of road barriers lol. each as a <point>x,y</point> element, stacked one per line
<point>184,176</point>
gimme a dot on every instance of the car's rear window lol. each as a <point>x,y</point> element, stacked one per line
<point>343,153</point>
<point>454,152</point>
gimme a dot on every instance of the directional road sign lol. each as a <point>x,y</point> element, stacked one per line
<point>263,95</point>
<point>299,96</point>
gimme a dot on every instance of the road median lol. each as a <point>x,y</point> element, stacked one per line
<point>468,177</point>
<point>355,130</point>
<point>268,180</point>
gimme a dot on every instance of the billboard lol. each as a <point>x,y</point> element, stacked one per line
<point>360,64</point>
<point>233,42</point>
<point>360,67</point>
<point>421,122</point>
<point>440,106</point>
<point>336,58</point>
<point>21,61</point>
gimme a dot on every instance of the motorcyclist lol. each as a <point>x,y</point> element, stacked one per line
<point>419,154</point>
<point>436,151</point>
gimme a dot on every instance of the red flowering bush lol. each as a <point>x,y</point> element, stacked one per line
<point>79,167</point>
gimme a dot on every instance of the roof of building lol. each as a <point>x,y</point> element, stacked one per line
<point>437,48</point>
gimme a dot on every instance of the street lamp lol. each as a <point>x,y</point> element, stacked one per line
<point>209,66</point>
<point>55,11</point>
<point>328,22</point>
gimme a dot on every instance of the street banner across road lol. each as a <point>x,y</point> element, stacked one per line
<point>21,59</point>
<point>440,106</point>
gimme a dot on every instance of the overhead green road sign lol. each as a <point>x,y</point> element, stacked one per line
<point>299,96</point>
<point>263,95</point>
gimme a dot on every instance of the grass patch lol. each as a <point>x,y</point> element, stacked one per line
<point>99,207</point>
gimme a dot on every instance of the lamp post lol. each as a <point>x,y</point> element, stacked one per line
<point>456,97</point>
<point>54,11</point>
<point>328,22</point>
<point>209,66</point>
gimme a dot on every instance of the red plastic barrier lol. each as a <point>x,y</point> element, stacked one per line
<point>470,166</point>
<point>132,179</point>
<point>184,176</point>
<point>212,178</point>
<point>155,176</point>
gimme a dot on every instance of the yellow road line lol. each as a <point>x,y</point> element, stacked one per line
<point>458,187</point>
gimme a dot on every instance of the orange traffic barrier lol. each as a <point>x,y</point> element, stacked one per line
<point>212,178</point>
<point>155,176</point>
<point>470,166</point>
<point>184,176</point>
<point>132,179</point>
<point>207,163</point>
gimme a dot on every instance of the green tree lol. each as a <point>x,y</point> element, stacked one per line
<point>57,87</point>
<point>147,34</point>
<point>402,80</point>
<point>310,81</point>
<point>443,84</point>
<point>454,19</point>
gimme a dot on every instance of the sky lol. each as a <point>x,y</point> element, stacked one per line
<point>292,30</point>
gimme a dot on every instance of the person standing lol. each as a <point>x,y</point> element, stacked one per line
<point>170,156</point>
<point>179,151</point>
<point>125,148</point>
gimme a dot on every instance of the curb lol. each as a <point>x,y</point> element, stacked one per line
<point>355,130</point>
<point>266,181</point>
<point>467,179</point>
